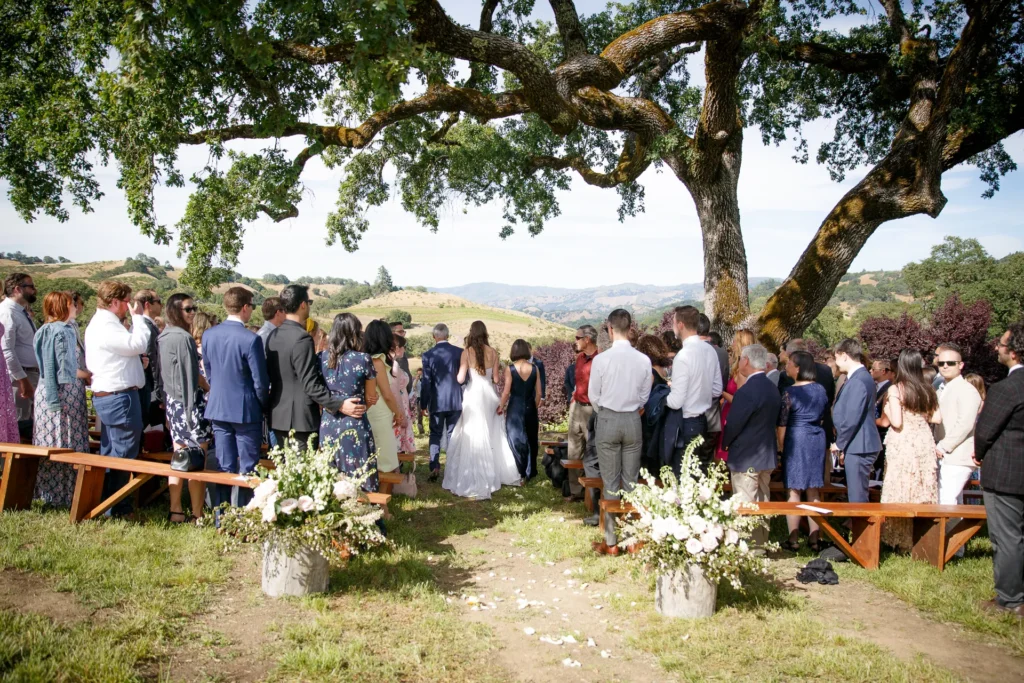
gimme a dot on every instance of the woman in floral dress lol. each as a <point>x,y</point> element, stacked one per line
<point>61,416</point>
<point>911,467</point>
<point>399,384</point>
<point>349,373</point>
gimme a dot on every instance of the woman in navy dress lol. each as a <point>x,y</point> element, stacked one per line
<point>349,373</point>
<point>519,396</point>
<point>802,441</point>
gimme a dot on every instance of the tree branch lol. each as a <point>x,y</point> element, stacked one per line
<point>633,161</point>
<point>568,22</point>
<point>314,54</point>
<point>438,98</point>
<point>279,215</point>
<point>712,21</point>
<point>823,55</point>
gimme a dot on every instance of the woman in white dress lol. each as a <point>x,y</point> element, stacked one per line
<point>480,460</point>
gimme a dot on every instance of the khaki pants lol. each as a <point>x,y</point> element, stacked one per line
<point>752,487</point>
<point>579,418</point>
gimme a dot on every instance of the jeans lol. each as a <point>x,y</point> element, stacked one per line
<point>120,436</point>
<point>238,452</point>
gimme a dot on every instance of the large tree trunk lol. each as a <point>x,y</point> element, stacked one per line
<point>899,186</point>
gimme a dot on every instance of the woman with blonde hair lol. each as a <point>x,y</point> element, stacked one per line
<point>739,340</point>
<point>61,417</point>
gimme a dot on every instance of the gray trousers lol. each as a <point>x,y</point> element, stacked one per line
<point>619,440</point>
<point>1006,532</point>
<point>859,467</point>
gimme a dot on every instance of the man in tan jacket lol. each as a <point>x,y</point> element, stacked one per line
<point>959,403</point>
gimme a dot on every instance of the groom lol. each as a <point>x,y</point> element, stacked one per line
<point>440,392</point>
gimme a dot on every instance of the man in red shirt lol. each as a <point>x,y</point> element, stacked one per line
<point>580,409</point>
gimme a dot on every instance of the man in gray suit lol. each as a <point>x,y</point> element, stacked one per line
<point>857,441</point>
<point>771,369</point>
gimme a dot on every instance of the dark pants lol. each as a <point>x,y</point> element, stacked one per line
<point>238,452</point>
<point>692,428</point>
<point>533,437</point>
<point>1005,513</point>
<point>441,423</point>
<point>301,438</point>
<point>120,436</point>
<point>859,467</point>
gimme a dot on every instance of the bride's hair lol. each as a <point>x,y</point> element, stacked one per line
<point>477,340</point>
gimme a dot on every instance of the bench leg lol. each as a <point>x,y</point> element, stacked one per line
<point>958,536</point>
<point>588,499</point>
<point>930,541</point>
<point>88,491</point>
<point>128,489</point>
<point>867,538</point>
<point>18,483</point>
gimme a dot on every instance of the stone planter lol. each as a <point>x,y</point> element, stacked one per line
<point>304,573</point>
<point>686,594</point>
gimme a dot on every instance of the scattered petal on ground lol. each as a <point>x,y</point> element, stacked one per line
<point>571,663</point>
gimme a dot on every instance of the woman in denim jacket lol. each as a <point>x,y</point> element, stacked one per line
<point>61,417</point>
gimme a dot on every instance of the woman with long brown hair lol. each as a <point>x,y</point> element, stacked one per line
<point>740,339</point>
<point>62,420</point>
<point>480,459</point>
<point>911,468</point>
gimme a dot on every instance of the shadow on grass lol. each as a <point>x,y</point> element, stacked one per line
<point>759,593</point>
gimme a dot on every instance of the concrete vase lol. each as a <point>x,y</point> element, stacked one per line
<point>685,593</point>
<point>303,573</point>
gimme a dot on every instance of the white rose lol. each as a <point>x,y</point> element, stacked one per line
<point>697,523</point>
<point>694,546</point>
<point>269,515</point>
<point>716,531</point>
<point>670,497</point>
<point>709,542</point>
<point>262,492</point>
<point>731,537</point>
<point>288,506</point>
<point>306,504</point>
<point>705,493</point>
<point>344,489</point>
<point>743,546</point>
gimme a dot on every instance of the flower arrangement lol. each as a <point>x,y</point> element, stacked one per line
<point>305,502</point>
<point>685,522</point>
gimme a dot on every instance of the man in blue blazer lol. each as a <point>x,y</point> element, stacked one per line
<point>749,434</point>
<point>853,415</point>
<point>236,368</point>
<point>441,393</point>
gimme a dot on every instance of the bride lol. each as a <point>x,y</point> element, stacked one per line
<point>480,459</point>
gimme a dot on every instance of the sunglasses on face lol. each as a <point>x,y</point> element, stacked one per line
<point>190,309</point>
<point>580,338</point>
<point>947,363</point>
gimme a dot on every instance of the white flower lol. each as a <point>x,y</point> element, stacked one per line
<point>670,497</point>
<point>344,489</point>
<point>269,515</point>
<point>694,546</point>
<point>697,523</point>
<point>262,492</point>
<point>716,531</point>
<point>743,547</point>
<point>731,537</point>
<point>288,506</point>
<point>705,492</point>
<point>681,531</point>
<point>306,504</point>
<point>709,542</point>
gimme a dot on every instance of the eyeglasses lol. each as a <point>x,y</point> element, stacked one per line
<point>948,363</point>
<point>27,286</point>
<point>190,309</point>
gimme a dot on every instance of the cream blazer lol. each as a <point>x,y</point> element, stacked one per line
<point>959,403</point>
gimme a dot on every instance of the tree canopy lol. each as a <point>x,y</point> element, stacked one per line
<point>507,110</point>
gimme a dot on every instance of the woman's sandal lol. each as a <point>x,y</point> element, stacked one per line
<point>814,543</point>
<point>792,545</point>
<point>171,515</point>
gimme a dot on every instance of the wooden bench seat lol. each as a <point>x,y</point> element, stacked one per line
<point>572,464</point>
<point>778,491</point>
<point>88,502</point>
<point>21,465</point>
<point>589,484</point>
<point>553,443</point>
<point>407,457</point>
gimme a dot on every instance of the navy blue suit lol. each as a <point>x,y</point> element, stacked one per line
<point>441,395</point>
<point>236,368</point>
<point>749,434</point>
<point>856,433</point>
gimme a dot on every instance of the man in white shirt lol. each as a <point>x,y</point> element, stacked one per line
<point>696,381</point>
<point>19,331</point>
<point>959,403</point>
<point>620,382</point>
<point>112,355</point>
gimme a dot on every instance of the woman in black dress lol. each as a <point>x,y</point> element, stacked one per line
<point>521,394</point>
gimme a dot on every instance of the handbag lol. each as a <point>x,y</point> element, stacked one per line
<point>188,459</point>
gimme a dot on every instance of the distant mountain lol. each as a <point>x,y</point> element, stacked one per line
<point>566,305</point>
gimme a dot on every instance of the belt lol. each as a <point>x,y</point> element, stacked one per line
<point>101,394</point>
<point>582,403</point>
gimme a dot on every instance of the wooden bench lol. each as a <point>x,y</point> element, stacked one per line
<point>588,484</point>
<point>615,507</point>
<point>21,465</point>
<point>88,501</point>
<point>934,541</point>
<point>778,491</point>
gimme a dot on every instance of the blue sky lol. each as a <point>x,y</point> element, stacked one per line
<point>782,204</point>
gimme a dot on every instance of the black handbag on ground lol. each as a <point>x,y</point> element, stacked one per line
<point>188,459</point>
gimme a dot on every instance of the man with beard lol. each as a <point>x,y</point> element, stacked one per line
<point>20,328</point>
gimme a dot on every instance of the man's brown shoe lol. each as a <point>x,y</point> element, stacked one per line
<point>993,606</point>
<point>602,548</point>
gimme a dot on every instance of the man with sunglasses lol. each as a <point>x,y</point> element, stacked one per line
<point>999,449</point>
<point>151,394</point>
<point>959,402</point>
<point>580,409</point>
<point>19,330</point>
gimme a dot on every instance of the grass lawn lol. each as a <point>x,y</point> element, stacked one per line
<point>111,601</point>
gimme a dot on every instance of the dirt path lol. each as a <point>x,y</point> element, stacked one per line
<point>859,610</point>
<point>517,593</point>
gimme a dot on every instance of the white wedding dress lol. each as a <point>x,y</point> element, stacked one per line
<point>480,460</point>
